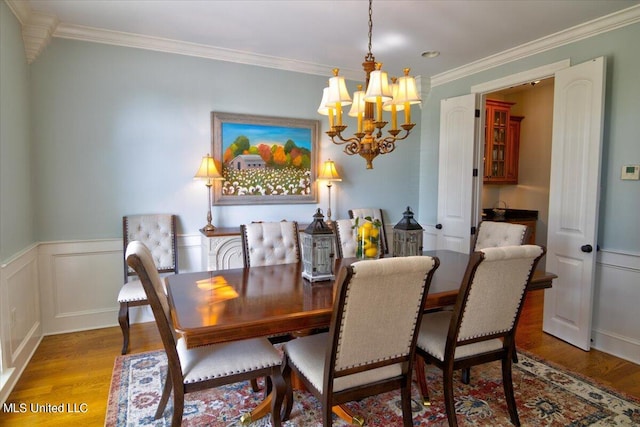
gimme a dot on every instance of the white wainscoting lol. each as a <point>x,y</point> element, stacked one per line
<point>616,317</point>
<point>20,321</point>
<point>80,281</point>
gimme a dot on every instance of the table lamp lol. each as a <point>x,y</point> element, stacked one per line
<point>208,172</point>
<point>329,174</point>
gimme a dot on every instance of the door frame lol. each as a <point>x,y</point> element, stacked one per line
<point>482,89</point>
<point>577,333</point>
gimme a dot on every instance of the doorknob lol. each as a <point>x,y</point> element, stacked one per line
<point>586,248</point>
<point>439,226</point>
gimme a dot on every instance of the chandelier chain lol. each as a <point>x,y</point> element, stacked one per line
<point>368,106</point>
<point>369,56</point>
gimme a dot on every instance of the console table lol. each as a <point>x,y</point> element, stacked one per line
<point>221,249</point>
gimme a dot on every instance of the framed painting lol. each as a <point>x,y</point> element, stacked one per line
<point>264,160</point>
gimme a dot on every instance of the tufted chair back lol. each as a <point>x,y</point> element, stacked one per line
<point>346,238</point>
<point>374,213</point>
<point>493,234</point>
<point>481,328</point>
<point>270,243</point>
<point>158,233</point>
<point>371,343</point>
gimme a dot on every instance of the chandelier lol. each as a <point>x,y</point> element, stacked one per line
<point>369,141</point>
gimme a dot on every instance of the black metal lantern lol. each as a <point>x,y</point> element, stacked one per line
<point>407,236</point>
<point>317,250</point>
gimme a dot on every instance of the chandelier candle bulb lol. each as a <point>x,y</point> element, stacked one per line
<point>394,117</point>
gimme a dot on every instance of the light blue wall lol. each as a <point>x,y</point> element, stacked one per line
<point>16,207</point>
<point>619,226</point>
<point>119,130</point>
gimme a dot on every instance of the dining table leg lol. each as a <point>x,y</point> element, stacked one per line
<point>343,412</point>
<point>264,408</point>
<point>258,412</point>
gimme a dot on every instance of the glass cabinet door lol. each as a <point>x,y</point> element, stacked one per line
<point>496,141</point>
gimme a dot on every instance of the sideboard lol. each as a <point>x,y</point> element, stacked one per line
<point>221,249</point>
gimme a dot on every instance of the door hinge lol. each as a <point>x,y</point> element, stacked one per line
<point>473,231</point>
<point>477,113</point>
<point>475,172</point>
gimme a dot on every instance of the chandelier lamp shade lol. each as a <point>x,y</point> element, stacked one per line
<point>329,174</point>
<point>208,171</point>
<point>368,107</point>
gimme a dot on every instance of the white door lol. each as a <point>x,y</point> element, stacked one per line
<point>573,200</point>
<point>455,172</point>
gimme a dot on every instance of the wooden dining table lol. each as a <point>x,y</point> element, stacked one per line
<point>212,307</point>
<point>218,306</point>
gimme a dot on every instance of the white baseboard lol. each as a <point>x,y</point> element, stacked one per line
<point>616,345</point>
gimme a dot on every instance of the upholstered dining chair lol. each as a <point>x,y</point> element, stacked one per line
<point>158,233</point>
<point>493,234</point>
<point>270,243</point>
<point>204,367</point>
<point>345,238</point>
<point>374,213</point>
<point>481,328</point>
<point>355,360</point>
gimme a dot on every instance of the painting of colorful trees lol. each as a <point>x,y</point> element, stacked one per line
<point>265,160</point>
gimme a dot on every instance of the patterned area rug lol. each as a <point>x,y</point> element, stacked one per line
<point>546,396</point>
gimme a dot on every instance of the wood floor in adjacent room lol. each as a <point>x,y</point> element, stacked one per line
<point>76,368</point>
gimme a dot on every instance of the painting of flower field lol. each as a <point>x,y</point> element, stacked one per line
<point>264,159</point>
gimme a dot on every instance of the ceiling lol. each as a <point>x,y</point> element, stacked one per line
<point>317,35</point>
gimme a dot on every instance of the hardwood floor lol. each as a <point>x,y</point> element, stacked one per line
<point>76,368</point>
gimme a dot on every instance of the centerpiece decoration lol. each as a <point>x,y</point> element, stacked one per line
<point>368,237</point>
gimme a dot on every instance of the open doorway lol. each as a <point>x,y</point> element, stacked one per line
<point>532,103</point>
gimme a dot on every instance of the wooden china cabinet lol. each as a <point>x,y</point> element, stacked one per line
<point>502,140</point>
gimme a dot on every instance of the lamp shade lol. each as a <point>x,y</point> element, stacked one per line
<point>329,172</point>
<point>338,93</point>
<point>378,87</point>
<point>387,106</point>
<point>208,169</point>
<point>407,89</point>
<point>358,103</point>
<point>323,108</point>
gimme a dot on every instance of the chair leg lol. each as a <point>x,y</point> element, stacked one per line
<point>327,415</point>
<point>422,381</point>
<point>466,375</point>
<point>166,392</point>
<point>447,389</point>
<point>288,399</point>
<point>254,385</point>
<point>405,398</point>
<point>123,319</point>
<point>279,387</point>
<point>507,382</point>
<point>178,407</point>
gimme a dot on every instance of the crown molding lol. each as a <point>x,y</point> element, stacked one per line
<point>36,33</point>
<point>579,32</point>
<point>20,9</point>
<point>38,29</point>
<point>77,32</point>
